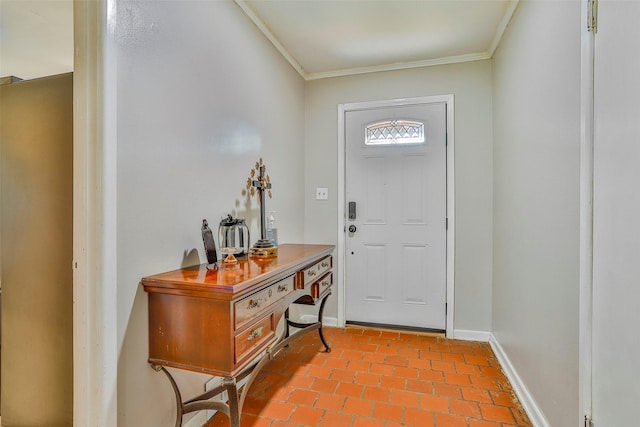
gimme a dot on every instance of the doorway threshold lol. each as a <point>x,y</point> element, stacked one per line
<point>398,328</point>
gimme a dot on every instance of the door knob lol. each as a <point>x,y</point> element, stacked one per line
<point>352,228</point>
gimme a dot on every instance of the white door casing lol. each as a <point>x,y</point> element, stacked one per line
<point>95,365</point>
<point>586,215</point>
<point>400,236</point>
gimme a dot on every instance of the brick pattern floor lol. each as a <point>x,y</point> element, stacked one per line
<point>378,378</point>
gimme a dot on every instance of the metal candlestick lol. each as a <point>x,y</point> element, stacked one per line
<point>258,183</point>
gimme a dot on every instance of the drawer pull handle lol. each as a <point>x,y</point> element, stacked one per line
<point>311,273</point>
<point>270,292</point>
<point>325,264</point>
<point>325,283</point>
<point>283,288</point>
<point>256,333</point>
<point>254,303</point>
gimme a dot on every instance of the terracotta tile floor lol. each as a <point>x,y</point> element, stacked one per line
<point>378,378</point>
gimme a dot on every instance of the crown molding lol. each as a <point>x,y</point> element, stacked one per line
<point>272,38</point>
<point>399,66</point>
<point>502,26</point>
<point>478,56</point>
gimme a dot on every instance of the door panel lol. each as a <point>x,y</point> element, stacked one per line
<point>414,194</point>
<point>376,194</point>
<point>413,274</point>
<point>374,283</point>
<point>396,258</point>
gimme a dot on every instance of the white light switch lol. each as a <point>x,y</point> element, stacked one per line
<point>322,193</point>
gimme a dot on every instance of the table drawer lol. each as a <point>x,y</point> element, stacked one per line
<point>247,308</point>
<point>322,286</point>
<point>315,271</point>
<point>254,338</point>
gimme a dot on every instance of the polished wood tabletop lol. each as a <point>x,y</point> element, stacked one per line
<point>229,281</point>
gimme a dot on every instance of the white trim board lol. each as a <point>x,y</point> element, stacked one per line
<point>468,335</point>
<point>95,349</point>
<point>528,403</point>
<point>330,322</point>
<point>340,259</point>
<point>587,135</point>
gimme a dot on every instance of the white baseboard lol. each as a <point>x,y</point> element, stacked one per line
<point>528,403</point>
<point>326,321</point>
<point>467,335</point>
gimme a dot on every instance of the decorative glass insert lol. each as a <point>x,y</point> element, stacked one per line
<point>394,132</point>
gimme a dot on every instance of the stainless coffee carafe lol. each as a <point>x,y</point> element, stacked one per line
<point>234,236</point>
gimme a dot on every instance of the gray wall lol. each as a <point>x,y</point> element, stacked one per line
<point>536,99</point>
<point>36,142</point>
<point>470,83</point>
<point>201,96</point>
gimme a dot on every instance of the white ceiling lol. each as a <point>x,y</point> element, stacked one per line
<point>325,38</point>
<point>320,38</point>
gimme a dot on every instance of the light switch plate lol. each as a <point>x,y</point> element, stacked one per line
<point>322,193</point>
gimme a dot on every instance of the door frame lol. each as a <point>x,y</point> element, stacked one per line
<point>450,240</point>
<point>95,352</point>
<point>587,133</point>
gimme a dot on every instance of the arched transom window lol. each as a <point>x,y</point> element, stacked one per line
<point>394,132</point>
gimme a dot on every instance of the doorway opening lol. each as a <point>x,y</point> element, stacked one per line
<point>344,110</point>
<point>396,328</point>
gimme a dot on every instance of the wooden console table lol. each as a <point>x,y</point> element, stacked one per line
<point>223,322</point>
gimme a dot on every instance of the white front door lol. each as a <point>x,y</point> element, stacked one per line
<point>396,216</point>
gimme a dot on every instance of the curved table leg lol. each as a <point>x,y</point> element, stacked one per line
<point>176,391</point>
<point>286,323</point>
<point>320,315</point>
<point>234,407</point>
<point>317,324</point>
